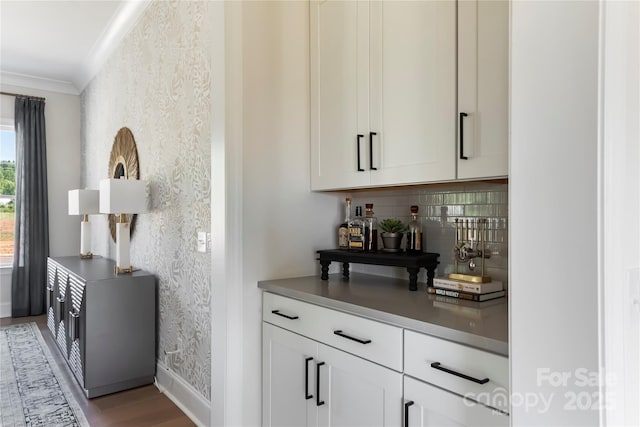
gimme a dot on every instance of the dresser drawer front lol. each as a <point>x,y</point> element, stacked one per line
<point>479,375</point>
<point>369,339</point>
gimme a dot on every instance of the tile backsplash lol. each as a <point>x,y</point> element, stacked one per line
<point>440,205</point>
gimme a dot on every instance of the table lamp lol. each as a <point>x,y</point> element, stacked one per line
<point>84,202</point>
<point>122,197</point>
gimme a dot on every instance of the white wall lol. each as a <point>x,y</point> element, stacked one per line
<point>5,292</point>
<point>621,198</point>
<point>283,223</point>
<point>62,116</point>
<point>553,206</point>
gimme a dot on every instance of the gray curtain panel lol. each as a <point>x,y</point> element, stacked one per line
<point>29,276</point>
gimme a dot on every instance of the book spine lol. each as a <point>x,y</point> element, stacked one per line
<point>476,288</point>
<point>460,295</point>
<point>454,286</point>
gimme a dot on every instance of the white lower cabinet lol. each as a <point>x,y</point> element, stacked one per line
<point>323,367</point>
<point>306,383</point>
<point>287,372</point>
<point>357,392</point>
<point>460,369</point>
<point>427,405</point>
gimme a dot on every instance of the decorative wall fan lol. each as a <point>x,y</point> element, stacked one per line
<point>123,163</point>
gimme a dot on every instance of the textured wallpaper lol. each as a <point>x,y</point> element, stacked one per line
<point>157,83</point>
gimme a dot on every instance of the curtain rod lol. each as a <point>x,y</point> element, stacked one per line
<point>23,96</point>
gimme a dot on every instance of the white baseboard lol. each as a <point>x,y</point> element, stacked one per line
<point>188,399</point>
<point>5,309</point>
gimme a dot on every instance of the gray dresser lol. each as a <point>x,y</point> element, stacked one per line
<point>104,324</point>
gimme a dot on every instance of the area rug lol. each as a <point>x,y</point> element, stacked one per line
<point>33,391</point>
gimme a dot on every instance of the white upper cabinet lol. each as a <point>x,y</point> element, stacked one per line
<point>413,86</point>
<point>483,63</point>
<point>383,92</point>
<point>339,93</point>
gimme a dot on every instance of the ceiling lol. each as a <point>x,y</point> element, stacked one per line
<point>61,45</point>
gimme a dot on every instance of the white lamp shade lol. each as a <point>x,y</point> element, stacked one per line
<point>84,202</point>
<point>123,196</point>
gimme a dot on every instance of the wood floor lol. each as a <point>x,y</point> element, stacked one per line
<point>143,406</point>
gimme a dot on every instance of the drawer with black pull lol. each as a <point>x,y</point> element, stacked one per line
<point>366,338</point>
<point>473,373</point>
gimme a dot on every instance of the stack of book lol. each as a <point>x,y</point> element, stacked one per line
<point>466,290</point>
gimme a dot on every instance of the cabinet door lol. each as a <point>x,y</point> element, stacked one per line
<point>339,52</point>
<point>413,91</point>
<point>483,88</point>
<point>288,363</point>
<point>357,392</point>
<point>433,406</point>
<point>61,315</point>
<point>52,278</point>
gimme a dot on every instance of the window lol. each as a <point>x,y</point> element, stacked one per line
<point>7,193</point>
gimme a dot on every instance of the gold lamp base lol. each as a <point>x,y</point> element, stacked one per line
<point>119,270</point>
<point>86,256</point>
<point>470,278</point>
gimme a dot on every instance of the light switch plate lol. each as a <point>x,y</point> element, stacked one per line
<point>202,241</point>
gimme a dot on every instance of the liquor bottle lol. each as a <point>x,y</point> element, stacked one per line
<point>343,229</point>
<point>414,233</point>
<point>357,232</point>
<point>371,226</point>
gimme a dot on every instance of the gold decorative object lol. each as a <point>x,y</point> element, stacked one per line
<point>471,238</point>
<point>120,270</point>
<point>123,163</point>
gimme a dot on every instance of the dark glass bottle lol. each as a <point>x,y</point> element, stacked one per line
<point>371,228</point>
<point>414,233</point>
<point>343,229</point>
<point>357,232</point>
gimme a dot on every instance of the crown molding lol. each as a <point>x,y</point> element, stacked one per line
<point>40,83</point>
<point>120,25</point>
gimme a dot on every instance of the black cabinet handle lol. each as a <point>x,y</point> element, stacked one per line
<point>307,396</point>
<point>60,300</point>
<point>318,401</point>
<point>437,365</point>
<point>74,325</point>
<point>358,153</point>
<point>371,151</point>
<point>341,334</point>
<point>462,156</point>
<point>277,313</point>
<point>406,412</point>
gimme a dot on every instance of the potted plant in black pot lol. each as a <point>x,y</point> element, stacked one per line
<point>392,232</point>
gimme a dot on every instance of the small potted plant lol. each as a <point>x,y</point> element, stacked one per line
<point>392,232</point>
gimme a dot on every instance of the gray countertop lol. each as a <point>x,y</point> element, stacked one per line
<point>484,325</point>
